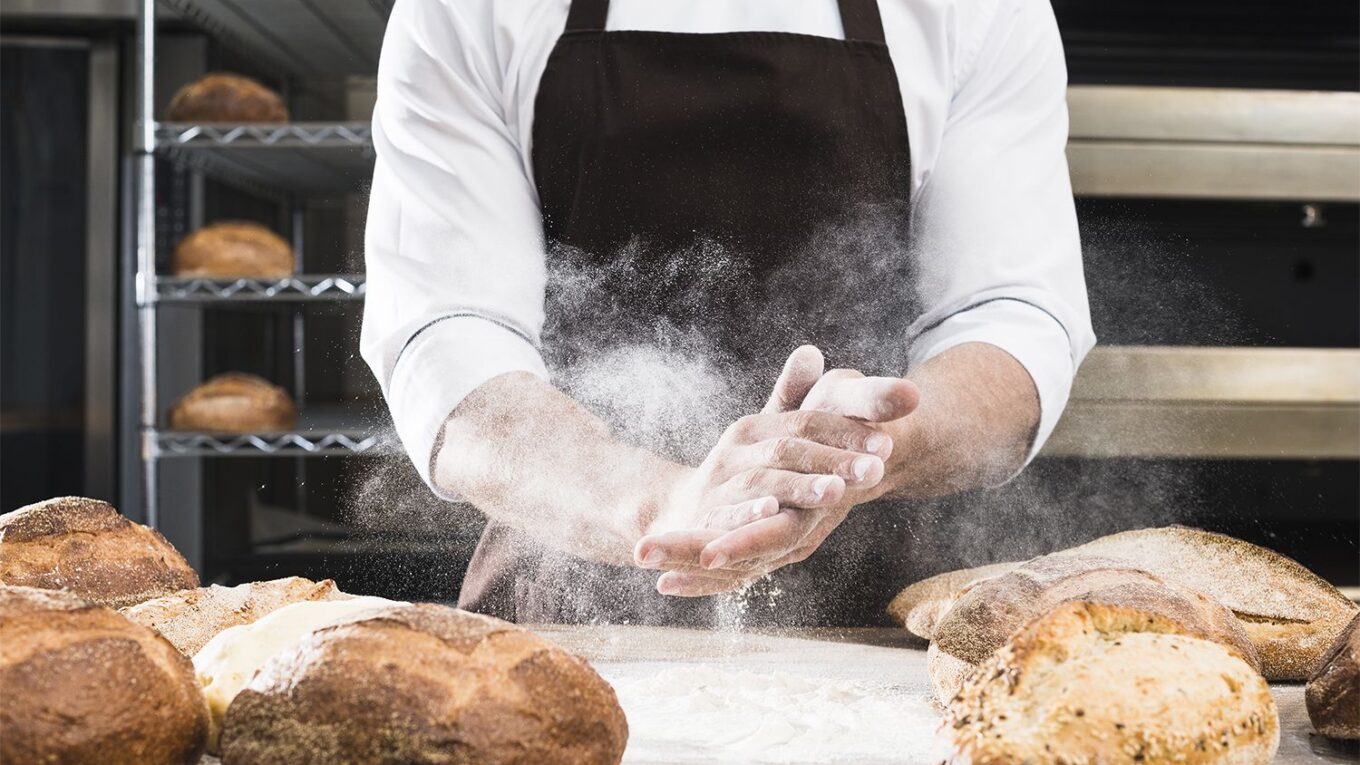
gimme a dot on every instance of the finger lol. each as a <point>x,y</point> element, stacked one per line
<point>789,489</point>
<point>772,538</point>
<point>690,585</point>
<point>803,456</point>
<point>673,549</point>
<point>729,517</point>
<point>874,399</point>
<point>822,427</point>
<point>801,371</point>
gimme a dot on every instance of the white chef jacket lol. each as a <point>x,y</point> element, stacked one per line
<point>454,245</point>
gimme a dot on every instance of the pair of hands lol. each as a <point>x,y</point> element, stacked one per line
<point>779,482</point>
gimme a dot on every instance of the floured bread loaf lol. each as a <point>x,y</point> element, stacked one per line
<point>84,546</point>
<point>191,618</point>
<point>1094,683</point>
<point>222,97</point>
<point>920,606</point>
<point>81,684</point>
<point>234,249</point>
<point>424,684</point>
<point>1291,614</point>
<point>1333,692</point>
<point>235,403</point>
<point>990,611</point>
<point>228,661</point>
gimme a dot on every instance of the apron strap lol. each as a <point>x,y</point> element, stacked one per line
<point>587,15</point>
<point>859,18</point>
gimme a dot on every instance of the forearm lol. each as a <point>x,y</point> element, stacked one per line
<point>529,456</point>
<point>976,420</point>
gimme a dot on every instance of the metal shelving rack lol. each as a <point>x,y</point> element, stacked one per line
<point>282,163</point>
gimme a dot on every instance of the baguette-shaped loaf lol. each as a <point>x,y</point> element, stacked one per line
<point>81,684</point>
<point>1333,692</point>
<point>1091,683</point>
<point>424,683</point>
<point>990,611</point>
<point>86,547</point>
<point>191,618</point>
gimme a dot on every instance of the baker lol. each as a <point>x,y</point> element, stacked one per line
<point>885,181</point>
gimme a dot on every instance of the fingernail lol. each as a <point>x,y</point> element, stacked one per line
<point>763,509</point>
<point>876,443</point>
<point>820,486</point>
<point>654,557</point>
<point>861,467</point>
<point>718,561</point>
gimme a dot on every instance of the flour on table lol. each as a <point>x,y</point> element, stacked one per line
<point>711,714</point>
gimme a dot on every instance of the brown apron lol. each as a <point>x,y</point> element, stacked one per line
<point>666,148</point>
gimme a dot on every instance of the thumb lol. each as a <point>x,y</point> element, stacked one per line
<point>801,372</point>
<point>873,399</point>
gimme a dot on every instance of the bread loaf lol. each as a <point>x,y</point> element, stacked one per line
<point>1291,614</point>
<point>81,684</point>
<point>222,97</point>
<point>84,546</point>
<point>424,684</point>
<point>234,249</point>
<point>191,618</point>
<point>920,606</point>
<point>235,403</point>
<point>990,611</point>
<point>1094,683</point>
<point>1333,692</point>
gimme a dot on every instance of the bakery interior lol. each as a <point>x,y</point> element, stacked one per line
<point>1215,158</point>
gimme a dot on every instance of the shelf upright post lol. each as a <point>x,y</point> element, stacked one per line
<point>144,148</point>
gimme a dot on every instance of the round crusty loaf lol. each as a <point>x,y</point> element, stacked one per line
<point>191,618</point>
<point>920,606</point>
<point>222,97</point>
<point>1291,614</point>
<point>986,614</point>
<point>424,684</point>
<point>235,403</point>
<point>84,546</point>
<point>234,249</point>
<point>1093,683</point>
<point>81,684</point>
<point>1333,692</point>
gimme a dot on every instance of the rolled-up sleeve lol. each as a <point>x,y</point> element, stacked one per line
<point>998,252</point>
<point>453,245</point>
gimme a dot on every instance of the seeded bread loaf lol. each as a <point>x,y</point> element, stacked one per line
<point>84,546</point>
<point>424,684</point>
<point>81,684</point>
<point>191,618</point>
<point>1333,692</point>
<point>920,606</point>
<point>235,403</point>
<point>222,97</point>
<point>234,249</point>
<point>1095,683</point>
<point>990,611</point>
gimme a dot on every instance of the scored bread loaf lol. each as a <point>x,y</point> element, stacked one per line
<point>235,402</point>
<point>191,618</point>
<point>234,249</point>
<point>1291,614</point>
<point>81,684</point>
<point>1333,692</point>
<point>987,613</point>
<point>85,546</point>
<point>1095,683</point>
<point>223,97</point>
<point>920,606</point>
<point>423,684</point>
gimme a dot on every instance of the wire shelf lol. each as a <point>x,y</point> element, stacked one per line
<point>297,444</point>
<point>275,161</point>
<point>301,288</point>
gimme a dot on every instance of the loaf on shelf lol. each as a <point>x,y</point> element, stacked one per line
<point>1095,683</point>
<point>234,249</point>
<point>86,547</point>
<point>83,684</point>
<point>235,402</point>
<point>224,97</point>
<point>424,683</point>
